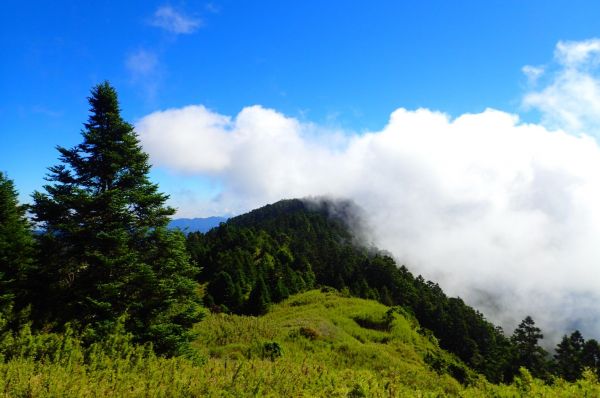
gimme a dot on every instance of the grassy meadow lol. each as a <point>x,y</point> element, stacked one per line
<point>314,344</point>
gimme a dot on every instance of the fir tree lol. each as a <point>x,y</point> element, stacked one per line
<point>109,251</point>
<point>528,352</point>
<point>564,359</point>
<point>260,299</point>
<point>569,355</point>
<point>16,254</point>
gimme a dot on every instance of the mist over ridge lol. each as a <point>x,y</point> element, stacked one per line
<point>502,213</point>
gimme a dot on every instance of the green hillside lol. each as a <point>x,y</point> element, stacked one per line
<point>293,245</point>
<point>314,344</point>
<point>324,344</point>
<point>262,257</point>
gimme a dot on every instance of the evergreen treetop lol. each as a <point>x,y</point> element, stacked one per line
<point>528,352</point>
<point>104,221</point>
<point>105,178</point>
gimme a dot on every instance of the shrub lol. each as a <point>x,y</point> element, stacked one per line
<point>271,350</point>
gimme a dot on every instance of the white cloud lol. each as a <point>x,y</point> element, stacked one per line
<point>572,99</point>
<point>179,128</point>
<point>504,214</point>
<point>171,20</point>
<point>576,53</point>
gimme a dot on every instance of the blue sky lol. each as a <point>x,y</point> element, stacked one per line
<point>344,64</point>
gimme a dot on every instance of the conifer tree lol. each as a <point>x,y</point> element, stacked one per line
<point>528,352</point>
<point>108,251</point>
<point>568,356</point>
<point>260,299</point>
<point>16,254</point>
<point>590,356</point>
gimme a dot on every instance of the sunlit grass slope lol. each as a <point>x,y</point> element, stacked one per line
<point>314,344</point>
<point>329,345</point>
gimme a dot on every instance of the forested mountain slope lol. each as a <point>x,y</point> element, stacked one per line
<point>293,245</point>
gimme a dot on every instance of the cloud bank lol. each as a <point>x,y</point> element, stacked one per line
<point>504,214</point>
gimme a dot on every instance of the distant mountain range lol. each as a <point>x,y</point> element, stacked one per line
<point>196,224</point>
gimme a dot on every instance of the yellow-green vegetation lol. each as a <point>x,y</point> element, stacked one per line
<point>329,345</point>
<point>320,344</point>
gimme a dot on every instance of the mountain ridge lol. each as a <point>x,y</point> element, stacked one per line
<point>265,255</point>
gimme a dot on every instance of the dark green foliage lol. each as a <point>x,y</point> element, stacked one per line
<point>280,291</point>
<point>590,356</point>
<point>565,360</point>
<point>259,300</point>
<point>528,353</point>
<point>247,256</point>
<point>16,254</point>
<point>272,350</point>
<point>224,288</point>
<point>107,251</point>
<point>573,353</point>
